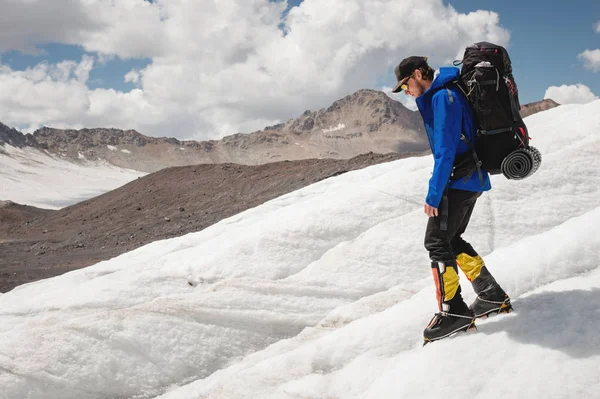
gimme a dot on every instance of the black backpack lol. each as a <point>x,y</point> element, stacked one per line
<point>487,81</point>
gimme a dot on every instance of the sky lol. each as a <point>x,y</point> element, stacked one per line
<point>191,70</point>
<point>324,293</point>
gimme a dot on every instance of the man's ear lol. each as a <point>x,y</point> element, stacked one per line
<point>418,74</point>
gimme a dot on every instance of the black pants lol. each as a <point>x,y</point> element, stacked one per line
<point>443,235</point>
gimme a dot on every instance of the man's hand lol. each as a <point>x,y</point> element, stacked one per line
<point>430,211</point>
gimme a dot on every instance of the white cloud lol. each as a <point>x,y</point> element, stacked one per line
<point>215,73</point>
<point>597,27</point>
<point>44,92</point>
<point>23,24</point>
<point>128,28</point>
<point>572,94</point>
<point>132,76</point>
<point>57,95</point>
<point>591,59</point>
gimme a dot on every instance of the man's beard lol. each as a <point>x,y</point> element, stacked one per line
<point>420,89</point>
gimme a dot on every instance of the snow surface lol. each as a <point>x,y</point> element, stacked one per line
<point>30,177</point>
<point>324,293</point>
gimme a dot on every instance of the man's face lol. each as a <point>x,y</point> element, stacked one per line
<point>415,85</point>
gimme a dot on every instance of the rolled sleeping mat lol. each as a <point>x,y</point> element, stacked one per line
<point>521,163</point>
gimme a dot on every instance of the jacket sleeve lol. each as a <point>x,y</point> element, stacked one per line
<point>447,125</point>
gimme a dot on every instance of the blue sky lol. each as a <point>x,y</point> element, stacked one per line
<point>106,74</point>
<point>182,66</point>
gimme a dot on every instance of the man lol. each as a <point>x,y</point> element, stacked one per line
<point>453,192</point>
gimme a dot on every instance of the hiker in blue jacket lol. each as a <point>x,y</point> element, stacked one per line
<point>456,183</point>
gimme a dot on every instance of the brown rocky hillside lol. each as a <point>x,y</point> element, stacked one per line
<point>36,244</point>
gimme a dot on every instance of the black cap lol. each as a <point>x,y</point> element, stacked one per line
<point>404,69</point>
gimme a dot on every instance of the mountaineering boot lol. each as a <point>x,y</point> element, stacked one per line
<point>483,308</point>
<point>454,313</point>
<point>444,324</point>
<point>491,298</point>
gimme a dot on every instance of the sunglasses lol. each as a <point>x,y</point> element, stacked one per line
<point>404,86</point>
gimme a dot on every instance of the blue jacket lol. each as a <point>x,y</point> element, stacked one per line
<point>445,119</point>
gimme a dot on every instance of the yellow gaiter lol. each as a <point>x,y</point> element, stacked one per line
<point>446,283</point>
<point>470,265</point>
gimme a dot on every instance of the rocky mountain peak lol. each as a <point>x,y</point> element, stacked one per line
<point>365,108</point>
<point>15,138</point>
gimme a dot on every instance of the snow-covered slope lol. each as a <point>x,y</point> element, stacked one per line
<point>324,293</point>
<point>31,177</point>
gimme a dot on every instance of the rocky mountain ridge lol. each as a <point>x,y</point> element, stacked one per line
<point>365,121</point>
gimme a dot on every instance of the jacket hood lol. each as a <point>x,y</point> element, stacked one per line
<point>446,75</point>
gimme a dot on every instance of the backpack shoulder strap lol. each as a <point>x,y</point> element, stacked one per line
<point>463,137</point>
<point>450,95</point>
<point>455,84</point>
